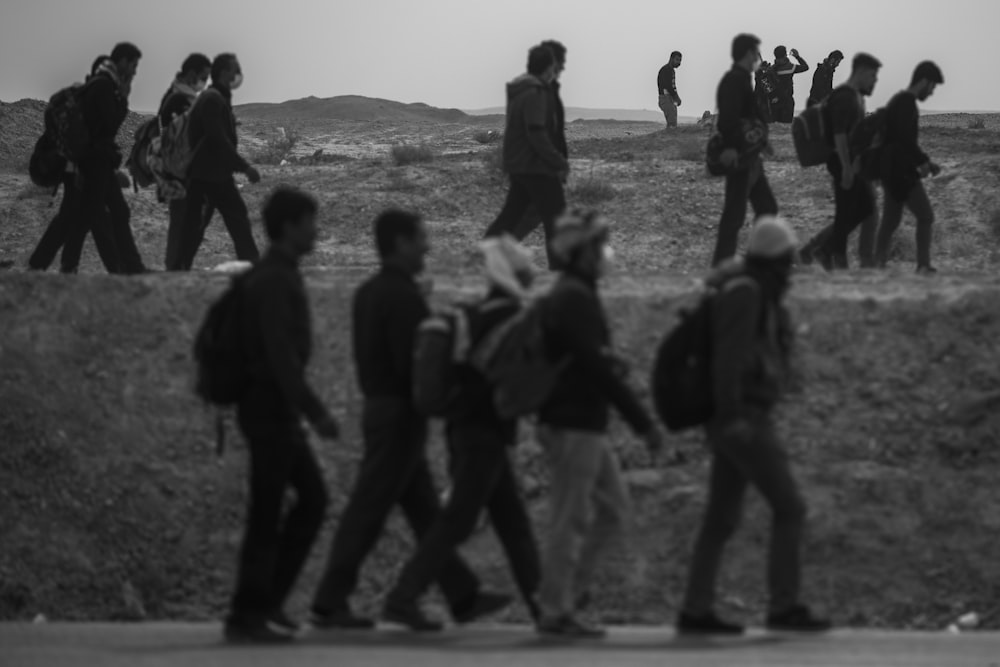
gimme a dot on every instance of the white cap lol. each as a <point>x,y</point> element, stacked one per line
<point>772,237</point>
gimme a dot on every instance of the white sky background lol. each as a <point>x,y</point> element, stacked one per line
<point>459,53</point>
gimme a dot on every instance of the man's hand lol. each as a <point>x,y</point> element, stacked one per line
<point>935,169</point>
<point>795,53</point>
<point>123,180</point>
<point>677,101</point>
<point>729,157</point>
<point>253,175</point>
<point>328,428</point>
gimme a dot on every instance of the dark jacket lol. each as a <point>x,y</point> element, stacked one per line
<point>736,102</point>
<point>278,343</point>
<point>176,101</point>
<point>902,155</point>
<point>822,84</point>
<point>786,71</point>
<point>104,109</point>
<point>575,326</point>
<point>751,335</point>
<point>666,80</point>
<point>527,143</point>
<point>388,309</point>
<point>213,138</point>
<point>557,116</point>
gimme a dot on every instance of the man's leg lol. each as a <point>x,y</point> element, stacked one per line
<point>227,199</point>
<point>514,207</point>
<point>610,501</point>
<point>193,228</point>
<point>529,222</point>
<point>734,213</point>
<point>868,212</point>
<point>546,193</point>
<point>814,244</point>
<point>920,206</point>
<point>56,233</point>
<point>97,182</point>
<point>120,216</point>
<point>892,215</point>
<point>177,209</point>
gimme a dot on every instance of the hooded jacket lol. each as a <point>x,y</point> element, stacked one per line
<point>527,143</point>
<point>213,135</point>
<point>179,98</point>
<point>104,108</point>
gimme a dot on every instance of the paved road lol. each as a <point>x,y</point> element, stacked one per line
<point>197,645</point>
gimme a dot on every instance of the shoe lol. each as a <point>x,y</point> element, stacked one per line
<point>243,631</point>
<point>797,619</point>
<point>569,627</point>
<point>926,270</point>
<point>411,616</point>
<point>284,622</point>
<point>706,624</point>
<point>343,619</point>
<point>485,604</point>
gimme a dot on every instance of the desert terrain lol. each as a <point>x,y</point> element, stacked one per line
<point>113,505</point>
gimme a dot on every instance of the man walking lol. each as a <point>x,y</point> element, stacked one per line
<point>277,343</point>
<point>784,109</point>
<point>751,337</point>
<point>737,106</point>
<point>536,167</point>
<point>480,443</point>
<point>904,165</point>
<point>854,197</point>
<point>588,499</point>
<point>388,309</point>
<point>213,137</point>
<point>666,87</point>
<point>822,84</point>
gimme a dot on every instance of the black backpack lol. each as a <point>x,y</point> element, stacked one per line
<point>138,167</point>
<point>64,122</point>
<point>222,370</point>
<point>47,165</point>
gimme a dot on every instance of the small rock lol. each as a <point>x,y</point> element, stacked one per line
<point>954,629</point>
<point>968,621</point>
<point>40,618</point>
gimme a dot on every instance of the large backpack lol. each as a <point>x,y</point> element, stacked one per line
<point>441,346</point>
<point>65,123</point>
<point>222,370</point>
<point>137,163</point>
<point>47,165</point>
<point>174,147</point>
<point>755,137</point>
<point>811,136</point>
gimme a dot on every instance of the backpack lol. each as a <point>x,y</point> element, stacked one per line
<point>810,134</point>
<point>222,370</point>
<point>755,137</point>
<point>866,142</point>
<point>47,165</point>
<point>174,147</point>
<point>441,346</point>
<point>137,163</point>
<point>65,123</point>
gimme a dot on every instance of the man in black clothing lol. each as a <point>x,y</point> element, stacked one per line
<point>784,110</point>
<point>388,309</point>
<point>854,197</point>
<point>666,89</point>
<point>216,158</point>
<point>751,342</point>
<point>536,167</point>
<point>904,164</point>
<point>277,344</point>
<point>188,84</point>
<point>480,442</point>
<point>738,105</point>
<point>822,84</point>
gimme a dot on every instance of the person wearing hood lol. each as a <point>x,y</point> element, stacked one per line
<point>480,444</point>
<point>751,346</point>
<point>785,69</point>
<point>179,98</point>
<point>212,133</point>
<point>822,84</point>
<point>535,165</point>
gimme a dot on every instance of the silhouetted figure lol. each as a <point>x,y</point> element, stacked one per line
<point>765,90</point>
<point>783,110</point>
<point>666,86</point>
<point>822,84</point>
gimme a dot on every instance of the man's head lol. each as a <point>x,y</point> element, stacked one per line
<point>195,70</point>
<point>542,63</point>
<point>835,58</point>
<point>226,71</point>
<point>772,247</point>
<point>675,58</point>
<point>926,77</point>
<point>780,52</point>
<point>864,72</point>
<point>290,219</point>
<point>126,57</point>
<point>558,50</point>
<point>401,240</point>
<point>508,265</point>
<point>746,51</point>
<point>581,243</point>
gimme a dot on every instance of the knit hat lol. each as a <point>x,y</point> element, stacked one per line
<point>772,237</point>
<point>506,260</point>
<point>575,229</point>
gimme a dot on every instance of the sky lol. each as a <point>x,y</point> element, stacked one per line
<point>460,53</point>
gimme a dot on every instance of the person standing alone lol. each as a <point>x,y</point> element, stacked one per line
<point>666,88</point>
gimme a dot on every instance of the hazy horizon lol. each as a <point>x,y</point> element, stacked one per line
<point>456,54</point>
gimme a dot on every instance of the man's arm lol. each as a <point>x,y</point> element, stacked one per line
<point>535,108</point>
<point>405,315</point>
<point>730,101</point>
<point>216,118</point>
<point>735,314</point>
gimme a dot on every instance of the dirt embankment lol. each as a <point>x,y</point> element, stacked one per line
<point>112,504</point>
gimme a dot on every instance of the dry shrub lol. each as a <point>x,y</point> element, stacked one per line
<point>398,182</point>
<point>487,136</point>
<point>977,123</point>
<point>404,154</point>
<point>279,146</point>
<point>591,191</point>
<point>493,164</point>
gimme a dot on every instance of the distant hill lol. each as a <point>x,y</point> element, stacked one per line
<point>581,113</point>
<point>348,107</point>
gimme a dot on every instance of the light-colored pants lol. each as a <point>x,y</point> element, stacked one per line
<point>589,503</point>
<point>669,110</point>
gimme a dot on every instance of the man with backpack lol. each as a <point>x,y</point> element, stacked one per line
<point>904,165</point>
<point>737,106</point>
<point>784,109</point>
<point>666,86</point>
<point>275,336</point>
<point>212,136</point>
<point>387,312</point>
<point>536,168</point>
<point>854,197</point>
<point>751,339</point>
<point>589,500</point>
<point>480,442</point>
<point>822,84</point>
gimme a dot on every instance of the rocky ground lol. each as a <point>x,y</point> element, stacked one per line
<point>113,505</point>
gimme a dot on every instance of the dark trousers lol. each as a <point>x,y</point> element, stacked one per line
<point>275,547</point>
<point>106,215</point>
<point>783,111</point>
<point>866,242</point>
<point>892,214</point>
<point>225,198</point>
<point>742,185</point>
<point>394,471</point>
<point>761,461</point>
<point>175,229</point>
<point>545,193</point>
<point>482,478</point>
<point>852,207</point>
